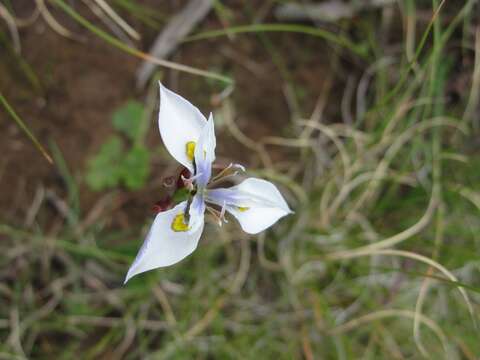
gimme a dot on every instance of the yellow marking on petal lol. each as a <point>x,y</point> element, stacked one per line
<point>242,208</point>
<point>190,149</point>
<point>178,223</point>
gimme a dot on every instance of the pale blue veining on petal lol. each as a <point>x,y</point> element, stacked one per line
<point>205,154</point>
<point>196,212</point>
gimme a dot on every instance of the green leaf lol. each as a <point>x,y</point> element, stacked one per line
<point>135,167</point>
<point>103,169</point>
<point>128,118</point>
<point>180,195</point>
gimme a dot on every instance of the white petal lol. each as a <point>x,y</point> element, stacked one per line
<point>256,204</point>
<point>205,153</point>
<point>164,246</point>
<point>257,219</point>
<point>196,212</point>
<point>179,122</point>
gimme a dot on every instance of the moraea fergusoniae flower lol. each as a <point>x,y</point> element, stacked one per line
<point>190,138</point>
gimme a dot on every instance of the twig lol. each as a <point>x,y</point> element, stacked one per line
<point>180,26</point>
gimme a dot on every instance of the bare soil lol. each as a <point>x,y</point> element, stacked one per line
<point>83,82</point>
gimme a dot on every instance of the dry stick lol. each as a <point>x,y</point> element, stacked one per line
<point>178,27</point>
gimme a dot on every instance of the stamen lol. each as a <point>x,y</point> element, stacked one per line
<point>219,216</point>
<point>178,223</point>
<point>228,172</point>
<point>215,214</point>
<point>242,208</point>
<point>188,183</point>
<point>190,149</point>
<point>222,212</point>
<point>184,173</point>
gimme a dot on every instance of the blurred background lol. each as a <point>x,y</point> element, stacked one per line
<point>363,112</point>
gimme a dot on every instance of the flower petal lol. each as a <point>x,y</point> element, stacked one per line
<point>196,212</point>
<point>205,153</point>
<point>255,203</point>
<point>163,245</point>
<point>180,124</point>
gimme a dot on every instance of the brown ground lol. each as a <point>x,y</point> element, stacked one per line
<point>82,83</point>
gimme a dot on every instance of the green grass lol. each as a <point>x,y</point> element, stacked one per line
<point>379,261</point>
<point>25,129</point>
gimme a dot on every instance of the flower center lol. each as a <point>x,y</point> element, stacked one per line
<point>178,223</point>
<point>190,150</point>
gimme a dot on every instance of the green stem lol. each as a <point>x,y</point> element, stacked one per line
<point>359,50</point>
<point>24,128</point>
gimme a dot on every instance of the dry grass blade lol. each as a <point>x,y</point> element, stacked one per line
<point>10,21</point>
<point>382,314</point>
<point>50,20</point>
<point>418,313</point>
<point>473,100</point>
<point>410,255</point>
<point>400,141</point>
<point>117,19</point>
<point>397,238</point>
<point>109,23</point>
<point>328,132</point>
<point>140,54</point>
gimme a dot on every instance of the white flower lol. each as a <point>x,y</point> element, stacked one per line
<point>190,138</point>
